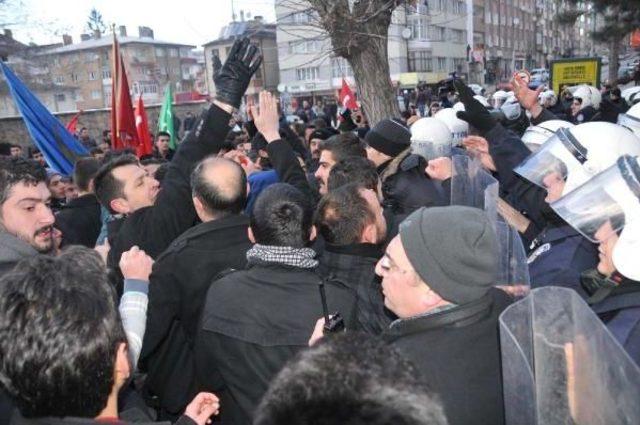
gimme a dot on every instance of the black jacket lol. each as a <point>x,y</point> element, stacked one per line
<point>179,282</point>
<point>19,420</point>
<point>457,355</point>
<point>507,151</point>
<point>169,157</point>
<point>355,266</point>
<point>154,228</point>
<point>620,311</point>
<point>406,187</point>
<point>253,322</point>
<point>79,221</point>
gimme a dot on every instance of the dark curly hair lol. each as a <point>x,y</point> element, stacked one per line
<point>59,334</point>
<point>352,379</point>
<point>14,170</point>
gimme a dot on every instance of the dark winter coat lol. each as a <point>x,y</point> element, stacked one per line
<point>179,282</point>
<point>559,256</point>
<point>355,266</point>
<point>406,187</point>
<point>253,322</point>
<point>457,355</point>
<point>620,311</point>
<point>80,221</point>
<point>19,420</point>
<point>154,228</point>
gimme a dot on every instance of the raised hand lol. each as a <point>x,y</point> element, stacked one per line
<point>266,117</point>
<point>475,113</point>
<point>479,147</point>
<point>528,98</point>
<point>439,168</point>
<point>233,79</point>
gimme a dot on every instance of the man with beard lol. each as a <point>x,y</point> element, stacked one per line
<point>26,221</point>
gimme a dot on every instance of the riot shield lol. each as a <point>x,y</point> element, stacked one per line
<point>473,186</point>
<point>513,270</point>
<point>560,364</point>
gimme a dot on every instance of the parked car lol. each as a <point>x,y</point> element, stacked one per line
<point>625,74</point>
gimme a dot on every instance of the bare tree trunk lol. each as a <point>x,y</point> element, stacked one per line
<point>360,34</point>
<point>371,72</point>
<point>614,63</point>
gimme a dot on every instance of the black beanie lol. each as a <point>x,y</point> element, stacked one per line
<point>453,249</point>
<point>322,134</point>
<point>389,137</point>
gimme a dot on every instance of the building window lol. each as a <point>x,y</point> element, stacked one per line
<point>420,61</point>
<point>106,73</point>
<point>159,52</point>
<point>92,75</point>
<point>310,73</point>
<point>96,94</point>
<point>90,57</point>
<point>173,53</point>
<point>340,68</point>
<point>304,46</point>
<point>301,18</point>
<point>418,28</point>
<point>457,36</point>
<point>437,33</point>
<point>144,87</point>
<point>59,97</point>
<point>458,64</point>
<point>458,7</point>
<point>442,64</point>
<point>74,77</point>
<point>59,79</point>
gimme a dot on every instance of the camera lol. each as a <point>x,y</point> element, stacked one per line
<point>334,325</point>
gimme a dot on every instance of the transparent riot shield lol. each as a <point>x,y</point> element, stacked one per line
<point>513,270</point>
<point>473,186</point>
<point>560,364</point>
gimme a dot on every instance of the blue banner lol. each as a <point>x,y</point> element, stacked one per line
<point>59,147</point>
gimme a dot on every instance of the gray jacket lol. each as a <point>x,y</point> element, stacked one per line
<point>13,250</point>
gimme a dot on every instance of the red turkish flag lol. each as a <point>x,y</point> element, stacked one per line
<point>145,147</point>
<point>123,123</point>
<point>347,98</point>
<point>73,124</point>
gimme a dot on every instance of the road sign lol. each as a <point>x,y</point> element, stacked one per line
<point>575,71</point>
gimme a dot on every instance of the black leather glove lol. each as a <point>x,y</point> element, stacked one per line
<point>474,112</point>
<point>234,76</point>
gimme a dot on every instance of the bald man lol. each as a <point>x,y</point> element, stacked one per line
<point>182,275</point>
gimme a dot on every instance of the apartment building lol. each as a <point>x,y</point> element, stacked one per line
<point>150,65</point>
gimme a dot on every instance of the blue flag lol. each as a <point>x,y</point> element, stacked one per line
<point>59,147</point>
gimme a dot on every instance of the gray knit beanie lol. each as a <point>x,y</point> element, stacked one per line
<point>453,249</point>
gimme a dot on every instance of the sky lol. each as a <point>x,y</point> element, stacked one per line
<point>184,21</point>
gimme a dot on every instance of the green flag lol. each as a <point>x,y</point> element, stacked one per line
<point>165,121</point>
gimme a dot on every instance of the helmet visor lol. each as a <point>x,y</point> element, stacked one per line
<point>535,136</point>
<point>605,204</point>
<point>559,156</point>
<point>629,122</point>
<point>429,149</point>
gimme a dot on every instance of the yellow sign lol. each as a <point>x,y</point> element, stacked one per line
<point>573,72</point>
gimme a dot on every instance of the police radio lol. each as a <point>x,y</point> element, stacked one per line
<point>332,323</point>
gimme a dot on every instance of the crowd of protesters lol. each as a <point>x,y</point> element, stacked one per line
<point>192,285</point>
